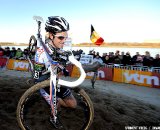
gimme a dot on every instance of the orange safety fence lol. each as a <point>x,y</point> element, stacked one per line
<point>125,74</point>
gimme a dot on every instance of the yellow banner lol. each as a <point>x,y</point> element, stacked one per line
<point>22,65</point>
<point>118,75</point>
<point>142,78</point>
<point>138,77</point>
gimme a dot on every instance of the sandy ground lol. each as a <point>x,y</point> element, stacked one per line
<point>116,105</point>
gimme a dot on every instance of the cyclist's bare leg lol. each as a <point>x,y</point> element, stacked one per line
<point>67,102</point>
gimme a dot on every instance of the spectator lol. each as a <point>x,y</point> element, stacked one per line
<point>7,52</point>
<point>97,54</point>
<point>111,57</point>
<point>156,61</point>
<point>117,59</point>
<point>19,53</point>
<point>25,53</point>
<point>127,59</point>
<point>103,58</point>
<point>94,54</point>
<point>77,54</point>
<point>98,58</point>
<point>1,51</point>
<point>106,61</point>
<point>147,59</point>
<point>122,57</point>
<point>137,59</point>
<point>13,52</point>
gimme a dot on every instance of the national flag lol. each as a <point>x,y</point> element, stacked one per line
<point>95,38</point>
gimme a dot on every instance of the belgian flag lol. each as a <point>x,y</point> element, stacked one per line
<point>95,38</point>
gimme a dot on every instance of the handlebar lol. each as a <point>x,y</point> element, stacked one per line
<point>79,80</point>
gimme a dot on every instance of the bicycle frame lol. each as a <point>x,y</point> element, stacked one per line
<point>51,98</point>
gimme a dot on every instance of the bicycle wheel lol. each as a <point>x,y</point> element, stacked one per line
<point>33,111</point>
<point>31,53</point>
<point>32,44</point>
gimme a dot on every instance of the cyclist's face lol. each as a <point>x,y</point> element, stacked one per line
<point>59,39</point>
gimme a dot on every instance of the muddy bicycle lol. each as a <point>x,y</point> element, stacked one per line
<point>36,104</point>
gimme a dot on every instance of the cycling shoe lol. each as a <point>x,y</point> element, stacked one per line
<point>57,124</point>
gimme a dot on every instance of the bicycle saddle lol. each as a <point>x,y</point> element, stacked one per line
<point>92,67</point>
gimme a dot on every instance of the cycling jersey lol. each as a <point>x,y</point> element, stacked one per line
<point>42,64</point>
<point>41,60</point>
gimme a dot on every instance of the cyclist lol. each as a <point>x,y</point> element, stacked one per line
<point>56,29</point>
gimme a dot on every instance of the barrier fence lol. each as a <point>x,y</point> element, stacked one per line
<point>138,75</point>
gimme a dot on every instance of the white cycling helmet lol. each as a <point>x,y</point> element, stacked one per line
<point>56,24</point>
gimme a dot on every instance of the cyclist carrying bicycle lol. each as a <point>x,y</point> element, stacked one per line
<point>56,29</point>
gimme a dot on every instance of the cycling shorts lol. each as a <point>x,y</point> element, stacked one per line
<point>64,91</point>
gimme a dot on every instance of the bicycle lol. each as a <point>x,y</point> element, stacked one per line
<point>28,113</point>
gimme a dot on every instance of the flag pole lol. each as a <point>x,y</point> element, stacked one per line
<point>90,43</point>
<point>90,38</point>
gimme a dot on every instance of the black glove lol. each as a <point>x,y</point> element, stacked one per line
<point>65,72</point>
<point>67,53</point>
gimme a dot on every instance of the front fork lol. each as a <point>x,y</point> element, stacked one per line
<point>52,98</point>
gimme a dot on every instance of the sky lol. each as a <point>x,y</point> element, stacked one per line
<point>113,20</point>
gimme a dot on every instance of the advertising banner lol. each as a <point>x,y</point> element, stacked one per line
<point>102,74</point>
<point>22,65</point>
<point>118,75</point>
<point>156,80</point>
<point>142,78</point>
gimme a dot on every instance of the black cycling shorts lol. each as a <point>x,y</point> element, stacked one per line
<point>64,91</point>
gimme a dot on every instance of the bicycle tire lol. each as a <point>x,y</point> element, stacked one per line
<point>32,46</point>
<point>31,52</point>
<point>86,112</point>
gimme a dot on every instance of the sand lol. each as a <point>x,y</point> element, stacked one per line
<point>116,105</point>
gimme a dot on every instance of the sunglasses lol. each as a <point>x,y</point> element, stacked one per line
<point>60,37</point>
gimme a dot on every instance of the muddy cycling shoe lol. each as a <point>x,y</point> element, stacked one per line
<point>57,124</point>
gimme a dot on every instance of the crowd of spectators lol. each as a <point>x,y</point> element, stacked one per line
<point>124,59</point>
<point>19,54</point>
<point>107,58</point>
<point>13,53</point>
